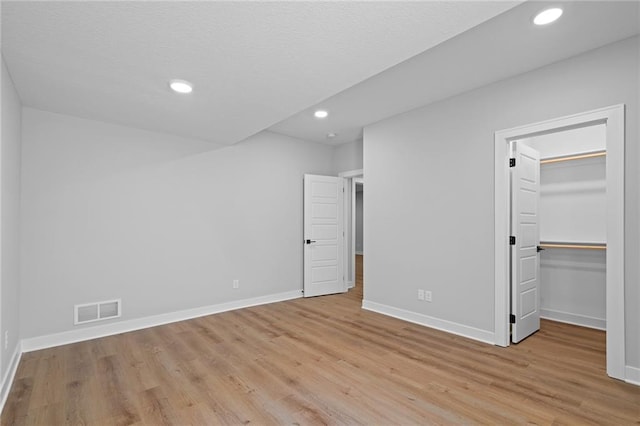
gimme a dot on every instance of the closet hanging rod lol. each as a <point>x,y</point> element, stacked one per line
<point>586,246</point>
<point>573,157</point>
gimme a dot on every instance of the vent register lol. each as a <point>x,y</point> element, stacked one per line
<point>97,311</point>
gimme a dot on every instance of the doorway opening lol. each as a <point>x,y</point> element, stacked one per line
<point>358,238</point>
<point>333,243</point>
<point>354,231</point>
<point>569,231</point>
<point>558,221</point>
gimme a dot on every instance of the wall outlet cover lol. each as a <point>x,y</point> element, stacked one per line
<point>427,296</point>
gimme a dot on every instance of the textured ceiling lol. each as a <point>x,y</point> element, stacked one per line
<point>253,64</point>
<point>504,46</point>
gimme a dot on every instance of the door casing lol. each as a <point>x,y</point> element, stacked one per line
<point>351,177</point>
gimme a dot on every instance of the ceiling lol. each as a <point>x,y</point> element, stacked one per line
<point>504,46</point>
<point>253,64</point>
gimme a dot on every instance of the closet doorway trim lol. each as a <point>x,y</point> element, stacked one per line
<point>613,117</point>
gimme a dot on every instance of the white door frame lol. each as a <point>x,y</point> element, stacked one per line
<point>349,219</point>
<point>613,117</point>
<point>354,188</point>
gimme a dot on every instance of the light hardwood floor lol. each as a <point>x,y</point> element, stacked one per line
<point>319,361</point>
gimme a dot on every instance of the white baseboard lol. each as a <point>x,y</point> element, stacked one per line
<point>575,319</point>
<point>632,375</point>
<point>438,324</point>
<point>9,375</point>
<point>359,253</point>
<point>88,333</point>
<point>351,284</point>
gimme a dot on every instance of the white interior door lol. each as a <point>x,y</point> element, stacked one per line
<point>525,226</point>
<point>323,235</point>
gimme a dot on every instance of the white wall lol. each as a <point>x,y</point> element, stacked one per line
<point>573,286</point>
<point>443,240</point>
<point>573,202</point>
<point>573,195</point>
<point>165,223</point>
<point>568,142</point>
<point>347,157</point>
<point>10,220</point>
<point>359,219</point>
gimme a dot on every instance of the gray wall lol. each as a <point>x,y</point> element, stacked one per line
<point>347,157</point>
<point>165,223</point>
<point>10,219</point>
<point>442,240</point>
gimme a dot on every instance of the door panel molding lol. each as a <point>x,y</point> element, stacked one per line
<point>323,235</point>
<point>525,224</point>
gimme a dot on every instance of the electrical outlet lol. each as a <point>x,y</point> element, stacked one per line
<point>420,294</point>
<point>427,296</point>
<point>6,339</point>
<point>236,283</point>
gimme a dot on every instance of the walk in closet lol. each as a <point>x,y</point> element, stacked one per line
<point>572,209</point>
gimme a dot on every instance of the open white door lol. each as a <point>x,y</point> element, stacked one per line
<point>525,264</point>
<point>323,235</point>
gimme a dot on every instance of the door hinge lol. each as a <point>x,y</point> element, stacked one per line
<point>512,319</point>
<point>512,240</point>
<point>512,162</point>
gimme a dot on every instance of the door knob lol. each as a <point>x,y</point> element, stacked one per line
<point>310,241</point>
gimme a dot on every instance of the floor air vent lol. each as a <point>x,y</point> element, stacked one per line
<point>90,312</point>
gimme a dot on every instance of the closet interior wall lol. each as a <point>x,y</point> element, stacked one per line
<point>573,212</point>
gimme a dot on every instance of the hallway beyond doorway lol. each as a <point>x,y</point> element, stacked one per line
<point>356,292</point>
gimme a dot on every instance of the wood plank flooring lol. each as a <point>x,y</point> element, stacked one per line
<point>319,361</point>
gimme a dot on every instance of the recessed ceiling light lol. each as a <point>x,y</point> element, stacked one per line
<point>321,113</point>
<point>181,86</point>
<point>547,16</point>
<point>331,135</point>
